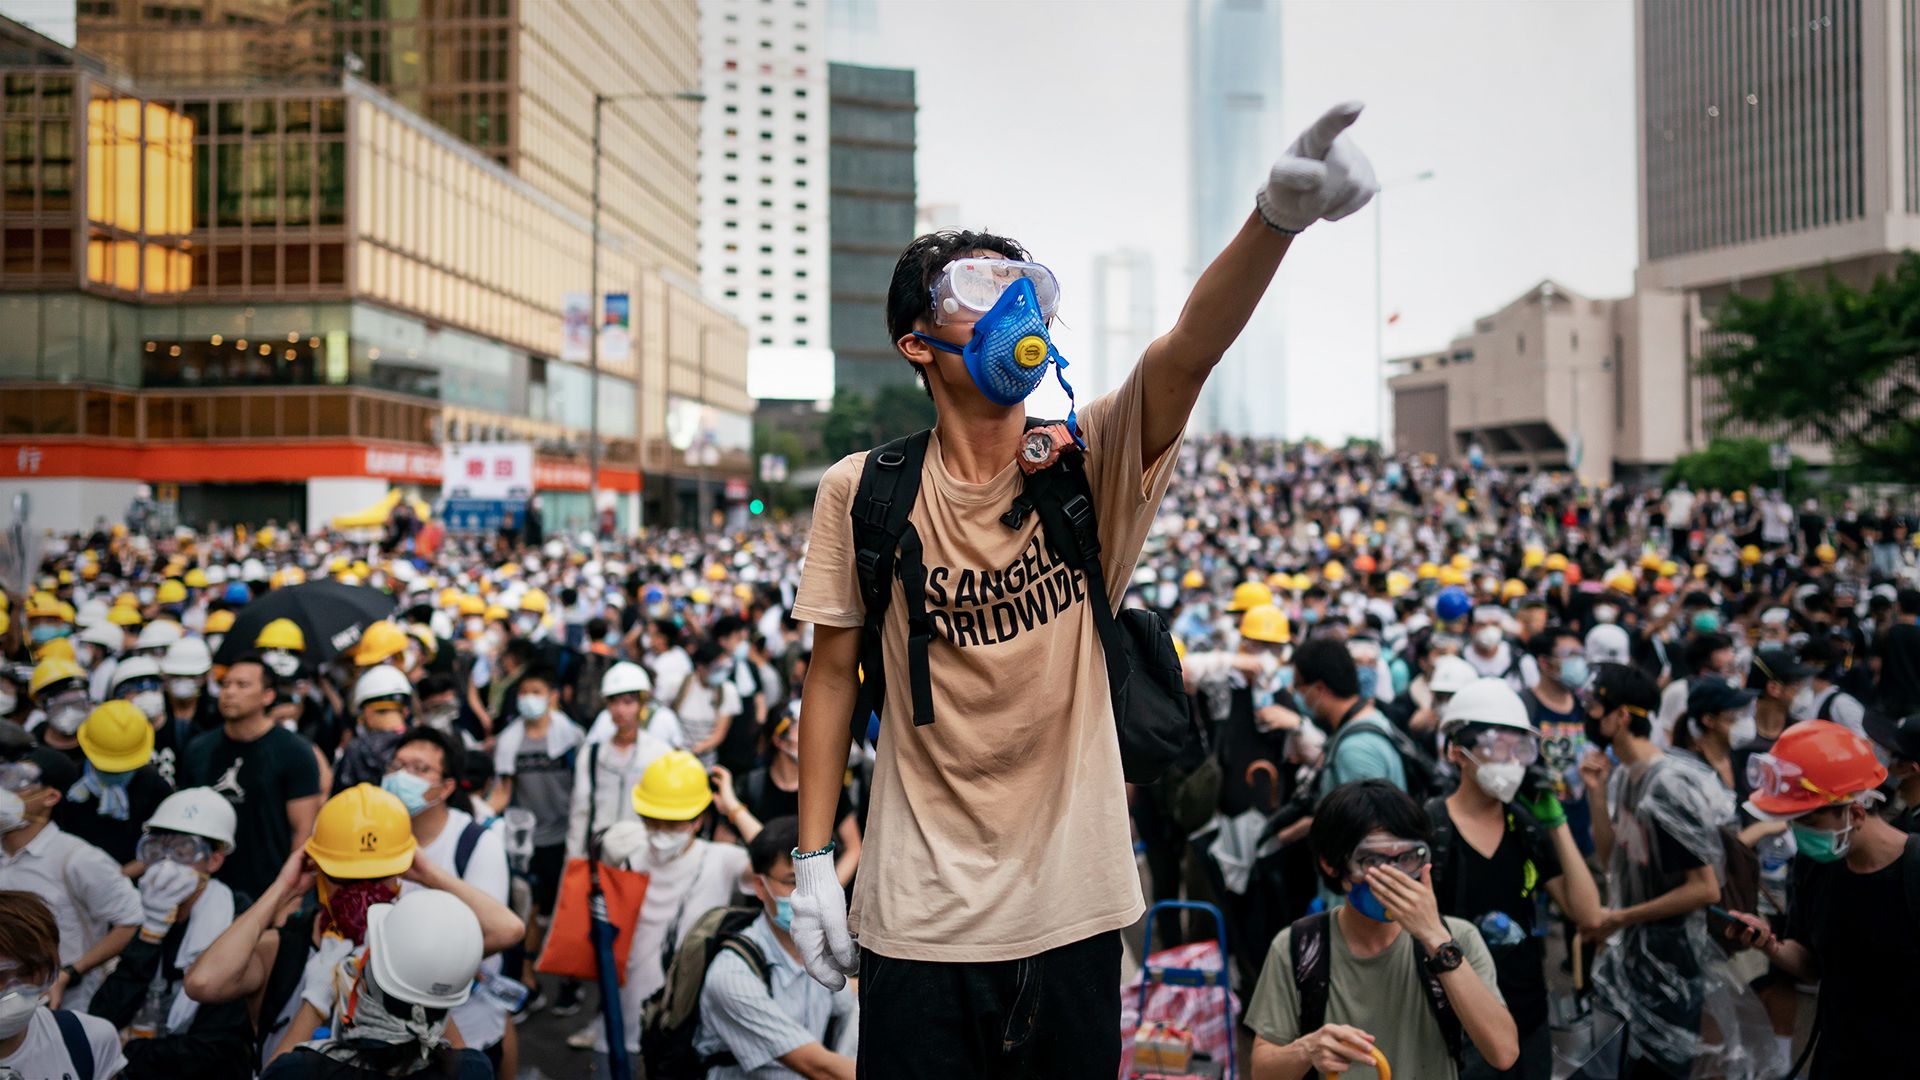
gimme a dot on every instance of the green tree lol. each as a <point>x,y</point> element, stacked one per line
<point>1727,464</point>
<point>1834,362</point>
<point>858,422</point>
<point>848,425</point>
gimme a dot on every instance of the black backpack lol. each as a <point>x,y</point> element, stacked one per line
<point>1424,778</point>
<point>1312,957</point>
<point>671,1016</point>
<point>1143,671</point>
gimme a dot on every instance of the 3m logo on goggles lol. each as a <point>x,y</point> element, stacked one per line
<point>970,287</point>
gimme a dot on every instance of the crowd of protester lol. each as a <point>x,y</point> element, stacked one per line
<point>1453,727</point>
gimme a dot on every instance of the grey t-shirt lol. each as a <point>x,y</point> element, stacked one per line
<point>1381,995</point>
<point>543,785</point>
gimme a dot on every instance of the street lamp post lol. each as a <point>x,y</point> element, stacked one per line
<point>1380,398</point>
<point>600,102</point>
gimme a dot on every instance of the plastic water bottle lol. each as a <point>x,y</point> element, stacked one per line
<point>1499,929</point>
<point>518,840</point>
<point>509,994</point>
<point>1776,859</point>
<point>151,1021</point>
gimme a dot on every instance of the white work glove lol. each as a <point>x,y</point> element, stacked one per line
<point>820,923</point>
<point>323,983</point>
<point>620,843</point>
<point>163,888</point>
<point>1322,175</point>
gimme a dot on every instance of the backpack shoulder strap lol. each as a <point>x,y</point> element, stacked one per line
<point>1440,839</point>
<point>751,955</point>
<point>1438,1001</point>
<point>470,839</point>
<point>79,1047</point>
<point>1312,958</point>
<point>885,546</point>
<point>1063,497</point>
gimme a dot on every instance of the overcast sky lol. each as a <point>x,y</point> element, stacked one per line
<point>1063,124</point>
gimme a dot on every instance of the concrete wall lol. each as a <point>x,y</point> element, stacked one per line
<point>66,504</point>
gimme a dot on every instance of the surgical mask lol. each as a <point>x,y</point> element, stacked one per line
<point>1369,682</point>
<point>1745,729</point>
<point>1555,579</point>
<point>13,811</point>
<point>9,699</point>
<point>1573,672</point>
<point>151,703</point>
<point>86,654</point>
<point>1309,616</point>
<point>16,1009</point>
<point>1008,353</point>
<point>281,662</point>
<point>46,632</point>
<point>740,651</point>
<point>783,912</point>
<point>1500,779</point>
<point>532,706</point>
<point>1487,637</point>
<point>441,716</point>
<point>66,719</point>
<point>1706,622</point>
<point>1605,613</point>
<point>474,627</point>
<point>183,688</point>
<point>1822,845</point>
<point>411,790</point>
<point>525,625</point>
<point>664,847</point>
<point>1362,899</point>
<point>718,676</point>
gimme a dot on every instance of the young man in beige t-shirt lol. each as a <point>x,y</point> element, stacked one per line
<point>997,867</point>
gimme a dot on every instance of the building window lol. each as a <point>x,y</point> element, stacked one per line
<point>732,224</point>
<point>766,341</point>
<point>800,117</point>
<point>766,249</point>
<point>767,271</point>
<point>800,138</point>
<point>799,318</point>
<point>799,206</point>
<point>766,114</point>
<point>1576,341</point>
<point>766,226</point>
<point>800,298</point>
<point>800,91</point>
<point>800,341</point>
<point>766,318</point>
<point>800,228</point>
<point>733,155</point>
<point>799,252</point>
<point>732,201</point>
<point>766,89</point>
<point>796,273</point>
<point>732,110</point>
<point>766,295</point>
<point>766,204</point>
<point>731,270</point>
<point>1520,344</point>
<point>733,294</point>
<point>800,183</point>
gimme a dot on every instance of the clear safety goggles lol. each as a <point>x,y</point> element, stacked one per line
<point>139,685</point>
<point>968,288</point>
<point>1406,856</point>
<point>1496,747</point>
<point>1777,778</point>
<point>12,981</point>
<point>158,847</point>
<point>18,776</point>
<point>75,698</point>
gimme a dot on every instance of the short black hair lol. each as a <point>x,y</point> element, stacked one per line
<point>541,674</point>
<point>434,685</point>
<point>1542,643</point>
<point>669,629</point>
<point>707,652</point>
<point>1909,601</point>
<point>522,651</point>
<point>1701,649</point>
<point>1351,811</point>
<point>267,678</point>
<point>453,756</point>
<point>910,295</point>
<point>776,841</point>
<point>727,626</point>
<point>596,628</point>
<point>1326,661</point>
<point>1617,686</point>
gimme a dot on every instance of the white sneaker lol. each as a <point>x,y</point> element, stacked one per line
<point>583,1039</point>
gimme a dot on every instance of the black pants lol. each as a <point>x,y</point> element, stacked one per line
<point>1054,1016</point>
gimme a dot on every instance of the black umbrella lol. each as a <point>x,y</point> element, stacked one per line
<point>331,616</point>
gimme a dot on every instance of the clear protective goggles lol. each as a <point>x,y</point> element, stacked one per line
<point>18,776</point>
<point>75,698</point>
<point>968,288</point>
<point>138,685</point>
<point>183,848</point>
<point>13,982</point>
<point>1777,778</point>
<point>1493,747</point>
<point>1406,856</point>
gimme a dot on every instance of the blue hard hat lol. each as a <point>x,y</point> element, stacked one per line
<point>1452,603</point>
<point>237,593</point>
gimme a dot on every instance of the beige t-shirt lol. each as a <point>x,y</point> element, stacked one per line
<point>999,831</point>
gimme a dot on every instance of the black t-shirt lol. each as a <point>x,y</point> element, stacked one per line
<point>1900,669</point>
<point>82,817</point>
<point>1471,886</point>
<point>1866,936</point>
<point>760,795</point>
<point>259,778</point>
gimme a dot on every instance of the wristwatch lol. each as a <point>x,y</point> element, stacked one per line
<point>1445,958</point>
<point>73,974</point>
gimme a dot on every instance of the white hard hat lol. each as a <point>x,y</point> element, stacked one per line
<point>381,681</point>
<point>92,612</point>
<point>253,570</point>
<point>1486,701</point>
<point>1608,644</point>
<point>188,656</point>
<point>133,667</point>
<point>1451,675</point>
<point>197,810</point>
<point>424,948</point>
<point>625,678</point>
<point>158,634</point>
<point>104,634</point>
<point>216,574</point>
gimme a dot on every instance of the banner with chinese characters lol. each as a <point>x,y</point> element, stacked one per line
<point>487,471</point>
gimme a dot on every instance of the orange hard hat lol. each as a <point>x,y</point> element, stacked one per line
<point>1364,564</point>
<point>1815,763</point>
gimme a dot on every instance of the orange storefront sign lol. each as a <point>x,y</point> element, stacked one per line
<point>252,463</point>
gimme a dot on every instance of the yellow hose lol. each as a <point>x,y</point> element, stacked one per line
<point>1379,1064</point>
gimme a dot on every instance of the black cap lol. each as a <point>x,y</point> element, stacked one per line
<point>1775,664</point>
<point>1714,694</point>
<point>57,770</point>
<point>1901,737</point>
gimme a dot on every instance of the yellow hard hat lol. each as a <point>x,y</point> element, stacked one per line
<point>674,788</point>
<point>677,561</point>
<point>360,569</point>
<point>1514,589</point>
<point>449,597</point>
<point>1453,575</point>
<point>48,673</point>
<point>496,613</point>
<point>1179,649</point>
<point>1193,579</point>
<point>1556,562</point>
<point>1750,555</point>
<point>1301,583</point>
<point>1622,582</point>
<point>281,634</point>
<point>1397,584</point>
<point>65,577</point>
<point>1669,568</point>
<point>1700,571</point>
<point>716,572</point>
<point>1280,580</point>
<point>382,640</point>
<point>116,737</point>
<point>1533,558</point>
<point>171,591</point>
<point>54,649</point>
<point>43,605</point>
<point>1266,623</point>
<point>1650,561</point>
<point>429,645</point>
<point>534,600</point>
<point>1333,541</point>
<point>1461,562</point>
<point>196,578</point>
<point>1825,553</point>
<point>1427,571</point>
<point>126,600</point>
<point>362,833</point>
<point>89,570</point>
<point>1739,496</point>
<point>219,622</point>
<point>339,564</point>
<point>471,605</point>
<point>124,616</point>
<point>1249,595</point>
<point>743,592</point>
<point>1334,572</point>
<point>67,614</point>
<point>700,595</point>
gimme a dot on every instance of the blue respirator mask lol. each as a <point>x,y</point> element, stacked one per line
<point>1008,354</point>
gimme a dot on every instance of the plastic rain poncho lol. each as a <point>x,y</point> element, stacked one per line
<point>1684,1010</point>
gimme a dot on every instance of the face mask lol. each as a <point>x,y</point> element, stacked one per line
<point>1487,637</point>
<point>1573,672</point>
<point>409,789</point>
<point>1362,900</point>
<point>146,597</point>
<point>45,632</point>
<point>281,662</point>
<point>718,677</point>
<point>9,699</point>
<point>1706,622</point>
<point>1821,845</point>
<point>13,812</point>
<point>1369,682</point>
<point>525,625</point>
<point>67,719</point>
<point>1605,613</point>
<point>1556,579</point>
<point>151,703</point>
<point>475,627</point>
<point>183,689</point>
<point>1595,736</point>
<point>1745,729</point>
<point>16,1009</point>
<point>532,706</point>
<point>1008,353</point>
<point>441,716</point>
<point>1500,779</point>
<point>664,847</point>
<point>346,904</point>
<point>86,655</point>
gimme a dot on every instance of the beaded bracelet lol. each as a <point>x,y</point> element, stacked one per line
<point>797,854</point>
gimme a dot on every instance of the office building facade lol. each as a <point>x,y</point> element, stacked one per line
<point>870,131</point>
<point>1123,318</point>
